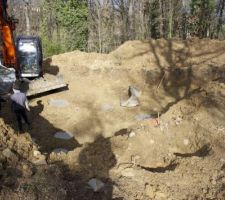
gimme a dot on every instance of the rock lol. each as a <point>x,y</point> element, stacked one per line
<point>142,117</point>
<point>41,160</point>
<point>96,184</point>
<point>10,155</point>
<point>186,142</point>
<point>132,134</point>
<point>133,100</point>
<point>60,150</point>
<point>63,135</point>
<point>36,153</point>
<point>134,91</point>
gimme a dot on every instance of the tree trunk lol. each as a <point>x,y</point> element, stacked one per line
<point>220,20</point>
<point>184,21</point>
<point>99,31</point>
<point>161,18</point>
<point>27,19</point>
<point>170,34</point>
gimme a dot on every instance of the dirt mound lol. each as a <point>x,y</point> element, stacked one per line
<point>170,53</point>
<point>148,54</point>
<point>21,173</point>
<point>168,147</point>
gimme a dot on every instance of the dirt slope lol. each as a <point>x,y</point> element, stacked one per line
<point>177,153</point>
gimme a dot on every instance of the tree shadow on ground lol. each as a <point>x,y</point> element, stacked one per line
<point>94,162</point>
<point>90,126</point>
<point>177,75</point>
<point>42,130</point>
<point>175,81</point>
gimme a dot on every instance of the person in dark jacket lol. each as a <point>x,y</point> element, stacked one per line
<point>1,100</point>
<point>19,105</point>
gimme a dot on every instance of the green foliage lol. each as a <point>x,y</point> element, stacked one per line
<point>64,26</point>
<point>201,11</point>
<point>72,15</point>
<point>154,15</point>
<point>51,48</point>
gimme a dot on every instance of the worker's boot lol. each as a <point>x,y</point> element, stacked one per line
<point>21,129</point>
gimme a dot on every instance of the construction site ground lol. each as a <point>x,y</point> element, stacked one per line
<point>171,146</point>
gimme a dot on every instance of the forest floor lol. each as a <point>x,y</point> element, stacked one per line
<point>171,146</point>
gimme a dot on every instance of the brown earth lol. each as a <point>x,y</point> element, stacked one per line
<point>179,153</point>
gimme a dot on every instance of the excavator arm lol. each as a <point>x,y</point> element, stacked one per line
<point>7,45</point>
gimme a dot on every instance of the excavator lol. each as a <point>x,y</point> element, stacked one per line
<point>21,60</point>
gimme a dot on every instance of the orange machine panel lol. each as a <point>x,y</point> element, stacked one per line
<point>9,53</point>
<point>7,26</point>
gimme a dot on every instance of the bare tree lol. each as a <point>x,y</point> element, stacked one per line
<point>27,7</point>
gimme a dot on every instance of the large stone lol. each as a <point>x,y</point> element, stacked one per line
<point>132,100</point>
<point>96,184</point>
<point>134,91</point>
<point>41,160</point>
<point>63,135</point>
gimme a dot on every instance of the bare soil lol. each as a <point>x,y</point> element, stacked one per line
<point>178,153</point>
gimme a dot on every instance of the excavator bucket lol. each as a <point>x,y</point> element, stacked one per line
<point>7,78</point>
<point>31,87</point>
<point>43,84</point>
